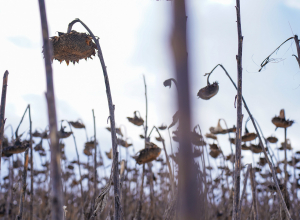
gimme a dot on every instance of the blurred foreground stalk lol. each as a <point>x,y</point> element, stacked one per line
<point>56,193</point>
<point>189,202</point>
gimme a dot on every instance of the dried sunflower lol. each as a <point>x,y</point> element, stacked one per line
<point>215,153</point>
<point>208,91</point>
<point>72,47</point>
<point>138,121</point>
<point>148,154</point>
<point>280,121</point>
<point>77,124</point>
<point>272,139</point>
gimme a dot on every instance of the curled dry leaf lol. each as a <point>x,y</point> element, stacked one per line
<point>123,143</point>
<point>211,136</point>
<point>109,154</point>
<point>175,119</point>
<point>118,131</point>
<point>72,47</point>
<point>77,124</point>
<point>208,91</point>
<point>122,167</point>
<point>148,154</point>
<point>197,139</point>
<point>138,121</point>
<point>280,121</point>
<point>168,82</point>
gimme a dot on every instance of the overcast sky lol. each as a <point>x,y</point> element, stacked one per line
<point>134,36</point>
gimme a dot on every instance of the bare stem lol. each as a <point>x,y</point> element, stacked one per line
<point>237,172</point>
<point>31,165</point>
<point>249,168</point>
<point>95,158</point>
<point>2,110</point>
<point>254,194</point>
<point>24,177</point>
<point>79,168</point>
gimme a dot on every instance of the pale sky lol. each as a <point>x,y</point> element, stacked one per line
<point>134,36</point>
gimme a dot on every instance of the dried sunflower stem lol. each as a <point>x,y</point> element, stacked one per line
<point>168,162</point>
<point>236,215</point>
<point>249,168</point>
<point>267,60</point>
<point>24,176</point>
<point>298,49</point>
<point>139,205</point>
<point>79,169</point>
<point>95,160</point>
<point>295,190</point>
<point>254,194</point>
<point>56,196</point>
<point>262,146</point>
<point>152,198</point>
<point>2,111</point>
<point>31,166</point>
<point>118,210</point>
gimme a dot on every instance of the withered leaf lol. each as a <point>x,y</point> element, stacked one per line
<point>175,119</point>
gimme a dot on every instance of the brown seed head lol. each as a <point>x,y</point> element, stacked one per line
<point>208,91</point>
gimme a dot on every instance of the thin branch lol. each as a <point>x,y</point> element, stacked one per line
<point>267,60</point>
